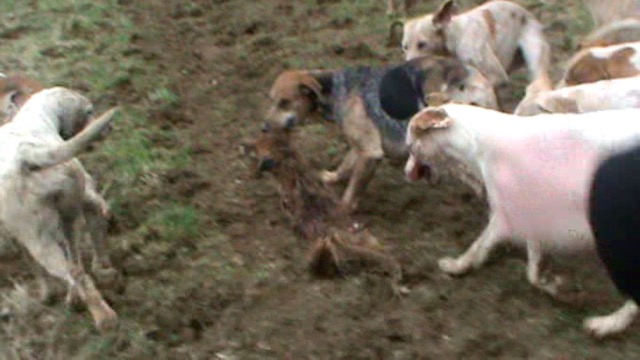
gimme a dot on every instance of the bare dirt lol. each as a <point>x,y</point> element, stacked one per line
<point>238,287</point>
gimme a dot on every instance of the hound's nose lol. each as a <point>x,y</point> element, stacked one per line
<point>290,122</point>
<point>266,127</point>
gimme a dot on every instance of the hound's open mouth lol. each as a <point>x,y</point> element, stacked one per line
<point>416,170</point>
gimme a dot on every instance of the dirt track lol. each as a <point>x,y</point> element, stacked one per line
<point>236,286</point>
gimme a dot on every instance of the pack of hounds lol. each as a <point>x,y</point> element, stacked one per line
<point>558,174</point>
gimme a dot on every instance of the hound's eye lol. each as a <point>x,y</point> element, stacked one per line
<point>284,103</point>
<point>461,87</point>
<point>422,45</point>
<point>89,112</point>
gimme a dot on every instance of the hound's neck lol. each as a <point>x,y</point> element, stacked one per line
<point>325,103</point>
<point>37,117</point>
<point>454,31</point>
<point>462,154</point>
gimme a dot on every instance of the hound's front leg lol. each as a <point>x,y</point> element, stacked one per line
<point>477,254</point>
<point>362,170</point>
<point>491,66</point>
<point>601,326</point>
<point>343,171</point>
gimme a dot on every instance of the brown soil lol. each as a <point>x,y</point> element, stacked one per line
<point>240,289</point>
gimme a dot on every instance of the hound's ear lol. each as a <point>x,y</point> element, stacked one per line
<point>396,31</point>
<point>399,97</point>
<point>437,98</point>
<point>559,105</point>
<point>431,118</point>
<point>10,103</point>
<point>445,13</point>
<point>310,87</point>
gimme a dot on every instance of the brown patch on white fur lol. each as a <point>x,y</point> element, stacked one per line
<point>491,23</point>
<point>15,90</point>
<point>432,118</point>
<point>559,105</point>
<point>588,68</point>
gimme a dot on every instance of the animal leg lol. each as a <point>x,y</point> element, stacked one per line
<point>101,265</point>
<point>45,293</point>
<point>601,326</point>
<point>491,67</point>
<point>103,315</point>
<point>97,214</point>
<point>343,171</point>
<point>534,261</point>
<point>49,251</point>
<point>361,167</point>
<point>536,53</point>
<point>97,224</point>
<point>477,254</point>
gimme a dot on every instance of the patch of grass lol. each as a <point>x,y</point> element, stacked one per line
<point>135,163</point>
<point>175,222</point>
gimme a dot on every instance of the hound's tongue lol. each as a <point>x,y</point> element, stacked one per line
<point>416,170</point>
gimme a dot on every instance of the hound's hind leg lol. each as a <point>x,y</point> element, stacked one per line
<point>601,326</point>
<point>50,251</point>
<point>534,262</point>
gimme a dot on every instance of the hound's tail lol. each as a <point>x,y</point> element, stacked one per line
<point>39,159</point>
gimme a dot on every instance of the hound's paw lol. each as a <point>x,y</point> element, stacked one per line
<point>603,326</point>
<point>107,321</point>
<point>329,177</point>
<point>105,210</point>
<point>452,266</point>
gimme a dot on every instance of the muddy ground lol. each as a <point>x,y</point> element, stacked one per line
<point>212,268</point>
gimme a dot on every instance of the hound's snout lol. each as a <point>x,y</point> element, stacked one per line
<point>290,121</point>
<point>416,170</point>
